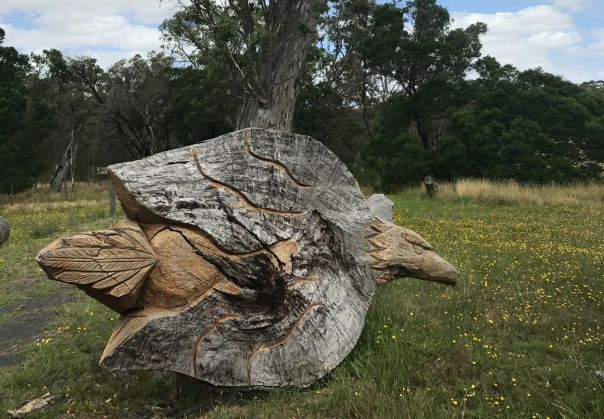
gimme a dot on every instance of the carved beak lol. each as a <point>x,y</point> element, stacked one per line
<point>400,252</point>
<point>432,267</point>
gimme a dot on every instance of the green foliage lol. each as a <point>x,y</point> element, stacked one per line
<point>416,46</point>
<point>23,113</point>
<point>530,126</point>
<point>321,114</point>
<point>198,108</point>
<point>391,163</point>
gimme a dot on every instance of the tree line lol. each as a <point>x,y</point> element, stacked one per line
<point>394,89</point>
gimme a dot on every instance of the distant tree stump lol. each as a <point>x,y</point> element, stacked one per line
<point>249,260</point>
<point>431,186</point>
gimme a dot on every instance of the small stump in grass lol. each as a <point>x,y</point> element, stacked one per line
<point>431,186</point>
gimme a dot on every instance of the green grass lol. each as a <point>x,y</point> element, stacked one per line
<point>522,334</point>
<point>30,231</point>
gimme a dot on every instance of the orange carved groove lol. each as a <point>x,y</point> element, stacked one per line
<point>274,163</point>
<point>247,204</point>
<point>307,280</point>
<point>280,341</point>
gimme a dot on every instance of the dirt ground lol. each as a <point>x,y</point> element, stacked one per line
<point>25,319</point>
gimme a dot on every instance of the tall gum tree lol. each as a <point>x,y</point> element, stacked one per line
<point>415,45</point>
<point>261,45</point>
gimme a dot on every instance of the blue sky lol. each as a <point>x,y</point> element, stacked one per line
<point>565,37</point>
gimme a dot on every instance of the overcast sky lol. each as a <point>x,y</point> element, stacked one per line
<point>565,37</point>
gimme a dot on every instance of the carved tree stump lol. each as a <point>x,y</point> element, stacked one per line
<point>249,260</point>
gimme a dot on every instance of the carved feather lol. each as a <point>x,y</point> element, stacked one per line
<point>110,265</point>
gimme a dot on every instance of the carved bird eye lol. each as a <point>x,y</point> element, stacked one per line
<point>418,249</point>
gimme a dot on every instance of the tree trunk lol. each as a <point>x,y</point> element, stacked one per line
<point>427,141</point>
<point>4,231</point>
<point>292,24</point>
<point>60,175</point>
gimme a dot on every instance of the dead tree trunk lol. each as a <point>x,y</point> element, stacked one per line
<point>63,169</point>
<point>431,186</point>
<point>271,97</point>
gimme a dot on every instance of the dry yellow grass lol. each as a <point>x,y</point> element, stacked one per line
<point>41,199</point>
<point>35,207</point>
<point>510,191</point>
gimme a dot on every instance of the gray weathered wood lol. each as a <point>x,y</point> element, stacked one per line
<point>4,230</point>
<point>112,199</point>
<point>60,176</point>
<point>381,206</point>
<point>431,186</point>
<point>249,260</point>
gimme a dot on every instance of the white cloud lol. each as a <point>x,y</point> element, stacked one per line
<point>145,11</point>
<point>526,38</point>
<point>108,30</point>
<point>107,58</point>
<point>592,49</point>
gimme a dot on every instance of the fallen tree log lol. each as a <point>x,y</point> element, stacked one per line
<point>249,260</point>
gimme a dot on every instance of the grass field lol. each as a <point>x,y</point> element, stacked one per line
<point>522,335</point>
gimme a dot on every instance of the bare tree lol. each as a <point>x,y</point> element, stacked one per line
<point>131,99</point>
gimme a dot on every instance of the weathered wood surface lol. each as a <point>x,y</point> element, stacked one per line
<point>249,260</point>
<point>381,206</point>
<point>66,164</point>
<point>4,230</point>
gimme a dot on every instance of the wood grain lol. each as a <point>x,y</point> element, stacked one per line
<point>110,265</point>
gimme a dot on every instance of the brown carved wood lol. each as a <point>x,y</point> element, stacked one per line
<point>249,260</point>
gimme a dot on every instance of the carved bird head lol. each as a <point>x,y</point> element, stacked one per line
<point>399,252</point>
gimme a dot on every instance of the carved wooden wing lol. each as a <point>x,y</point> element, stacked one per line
<point>110,265</point>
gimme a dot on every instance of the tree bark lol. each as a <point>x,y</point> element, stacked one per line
<point>60,176</point>
<point>4,231</point>
<point>426,139</point>
<point>292,23</point>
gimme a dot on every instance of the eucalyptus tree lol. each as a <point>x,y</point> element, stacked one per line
<point>137,102</point>
<point>131,98</point>
<point>261,46</point>
<point>416,45</point>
